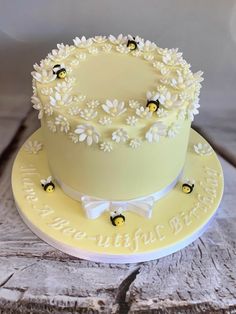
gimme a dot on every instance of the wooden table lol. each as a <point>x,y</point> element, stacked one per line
<point>36,278</point>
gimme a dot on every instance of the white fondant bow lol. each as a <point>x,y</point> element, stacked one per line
<point>95,207</point>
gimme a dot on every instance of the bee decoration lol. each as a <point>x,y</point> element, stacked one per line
<point>48,185</point>
<point>60,71</point>
<point>117,219</point>
<point>152,102</point>
<point>134,42</point>
<point>187,186</point>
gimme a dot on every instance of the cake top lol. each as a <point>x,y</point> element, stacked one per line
<point>113,86</point>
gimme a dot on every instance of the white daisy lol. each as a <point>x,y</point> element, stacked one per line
<point>81,56</point>
<point>173,130</point>
<point>132,120</point>
<point>134,104</point>
<point>74,110</point>
<point>114,107</point>
<point>137,53</point>
<point>119,40</point>
<point>74,137</point>
<point>106,147</point>
<point>100,39</point>
<point>60,54</point>
<point>63,87</point>
<point>105,120</point>
<point>60,100</point>
<point>87,133</point>
<point>82,42</point>
<point>46,91</point>
<point>52,126</point>
<point>93,50</point>
<point>48,109</point>
<point>157,130</point>
<point>143,112</point>
<point>63,123</point>
<point>192,110</point>
<point>122,49</point>
<point>93,104</point>
<point>33,147</point>
<point>37,105</point>
<point>88,113</point>
<point>135,143</point>
<point>120,136</point>
<point>162,113</point>
<point>44,76</point>
<point>107,48</point>
<point>148,57</point>
<point>149,46</point>
<point>203,149</point>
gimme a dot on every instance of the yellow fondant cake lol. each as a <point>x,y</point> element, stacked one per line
<point>115,116</point>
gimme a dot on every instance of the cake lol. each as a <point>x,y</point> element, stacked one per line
<point>115,116</point>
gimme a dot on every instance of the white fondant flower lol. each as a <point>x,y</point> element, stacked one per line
<point>63,87</point>
<point>33,147</point>
<point>52,126</point>
<point>100,39</point>
<point>37,105</point>
<point>44,76</point>
<point>68,48</point>
<point>173,130</point>
<point>82,42</point>
<point>157,130</point>
<point>45,63</point>
<point>172,57</point>
<point>88,113</point>
<point>163,94</point>
<point>120,136</point>
<point>48,109</point>
<point>149,46</point>
<point>122,49</point>
<point>203,149</point>
<point>46,91</point>
<point>162,113</point>
<point>135,143</point>
<point>161,67</point>
<point>81,56</point>
<point>136,53</point>
<point>192,110</point>
<point>74,110</point>
<point>114,107</point>
<point>106,147</point>
<point>61,53</point>
<point>148,57</point>
<point>87,133</point>
<point>131,120</point>
<point>74,137</point>
<point>60,100</point>
<point>63,123</point>
<point>181,114</point>
<point>93,50</point>
<point>105,120</point>
<point>143,112</point>
<point>93,104</point>
<point>134,104</point>
<point>119,40</point>
<point>107,48</point>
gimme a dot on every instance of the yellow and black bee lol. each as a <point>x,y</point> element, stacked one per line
<point>187,187</point>
<point>117,219</point>
<point>153,103</point>
<point>60,71</point>
<point>134,42</point>
<point>48,185</point>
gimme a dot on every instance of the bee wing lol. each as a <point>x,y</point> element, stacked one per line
<point>149,95</point>
<point>49,179</point>
<point>43,181</point>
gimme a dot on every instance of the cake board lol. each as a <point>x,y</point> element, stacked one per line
<point>177,219</point>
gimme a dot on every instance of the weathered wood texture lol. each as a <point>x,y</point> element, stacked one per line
<point>36,278</point>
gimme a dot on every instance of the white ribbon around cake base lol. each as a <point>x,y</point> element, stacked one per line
<point>94,206</point>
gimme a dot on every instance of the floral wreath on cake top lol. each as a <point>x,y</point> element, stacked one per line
<point>82,119</point>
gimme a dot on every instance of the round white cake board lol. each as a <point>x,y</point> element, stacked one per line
<point>177,220</point>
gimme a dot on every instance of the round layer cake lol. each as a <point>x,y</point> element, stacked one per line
<point>115,114</point>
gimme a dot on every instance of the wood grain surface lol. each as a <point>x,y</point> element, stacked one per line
<point>36,278</point>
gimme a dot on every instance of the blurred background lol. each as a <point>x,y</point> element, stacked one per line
<point>204,30</point>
